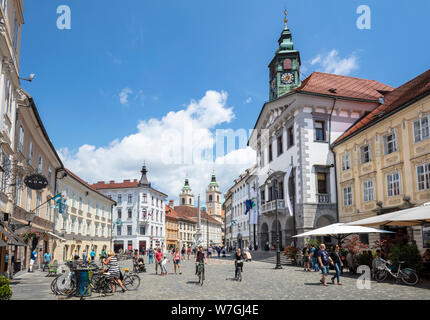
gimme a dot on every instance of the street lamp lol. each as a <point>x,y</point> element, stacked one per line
<point>274,194</point>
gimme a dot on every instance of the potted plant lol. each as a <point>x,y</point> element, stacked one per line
<point>5,291</point>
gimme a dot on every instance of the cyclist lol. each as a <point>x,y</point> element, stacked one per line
<point>238,263</point>
<point>200,259</point>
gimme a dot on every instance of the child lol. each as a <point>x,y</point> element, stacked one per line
<point>164,266</point>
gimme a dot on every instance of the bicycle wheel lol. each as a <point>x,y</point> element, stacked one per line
<point>381,275</point>
<point>131,282</point>
<point>54,284</point>
<point>409,277</point>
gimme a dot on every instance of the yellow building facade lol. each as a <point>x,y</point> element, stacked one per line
<point>383,161</point>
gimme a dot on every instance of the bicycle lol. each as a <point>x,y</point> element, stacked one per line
<point>408,276</point>
<point>131,280</point>
<point>238,271</point>
<point>201,272</point>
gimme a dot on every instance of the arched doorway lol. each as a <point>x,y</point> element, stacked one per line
<point>273,232</point>
<point>264,235</point>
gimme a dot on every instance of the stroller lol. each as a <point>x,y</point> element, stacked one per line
<point>139,265</point>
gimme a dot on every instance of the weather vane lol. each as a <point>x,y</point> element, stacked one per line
<point>285,20</point>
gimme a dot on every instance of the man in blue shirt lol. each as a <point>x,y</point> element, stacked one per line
<point>93,255</point>
<point>47,258</point>
<point>324,261</point>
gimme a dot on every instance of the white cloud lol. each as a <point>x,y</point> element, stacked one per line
<point>172,148</point>
<point>248,100</point>
<point>332,63</point>
<point>124,94</point>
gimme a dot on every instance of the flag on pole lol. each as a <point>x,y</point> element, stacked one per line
<point>57,196</point>
<point>249,205</point>
<point>290,207</point>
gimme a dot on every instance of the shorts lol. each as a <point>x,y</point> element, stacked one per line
<point>176,261</point>
<point>324,269</point>
<point>306,259</point>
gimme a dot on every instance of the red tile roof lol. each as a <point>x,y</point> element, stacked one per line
<point>348,87</point>
<point>86,183</point>
<point>191,213</point>
<point>171,213</point>
<point>394,100</point>
<point>116,185</point>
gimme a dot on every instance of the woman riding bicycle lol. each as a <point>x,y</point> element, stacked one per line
<point>200,259</point>
<point>238,262</point>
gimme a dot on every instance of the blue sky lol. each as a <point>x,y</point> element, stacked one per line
<point>163,54</point>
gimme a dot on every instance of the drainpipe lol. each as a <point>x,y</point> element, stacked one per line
<point>334,156</point>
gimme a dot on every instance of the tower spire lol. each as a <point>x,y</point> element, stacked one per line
<point>285,19</point>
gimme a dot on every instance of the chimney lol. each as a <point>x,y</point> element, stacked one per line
<point>100,182</point>
<point>112,181</point>
<point>127,181</point>
<point>171,204</point>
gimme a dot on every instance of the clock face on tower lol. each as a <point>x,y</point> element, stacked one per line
<point>287,78</point>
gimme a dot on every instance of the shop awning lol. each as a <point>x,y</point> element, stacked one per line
<point>55,236</point>
<point>12,238</point>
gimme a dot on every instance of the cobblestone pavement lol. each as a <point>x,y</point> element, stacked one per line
<point>260,281</point>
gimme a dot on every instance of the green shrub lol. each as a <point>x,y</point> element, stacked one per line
<point>5,291</point>
<point>313,242</point>
<point>364,259</point>
<point>408,253</point>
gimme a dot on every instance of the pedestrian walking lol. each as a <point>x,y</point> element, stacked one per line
<point>84,256</point>
<point>314,258</point>
<point>76,256</point>
<point>158,259</point>
<point>33,258</point>
<point>93,255</point>
<point>189,252</point>
<point>183,253</point>
<point>163,265</point>
<point>177,260</point>
<point>47,258</point>
<point>151,256</point>
<point>337,264</point>
<point>324,261</point>
<point>306,252</point>
<point>113,270</point>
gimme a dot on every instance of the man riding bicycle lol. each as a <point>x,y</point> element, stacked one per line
<point>238,263</point>
<point>200,259</point>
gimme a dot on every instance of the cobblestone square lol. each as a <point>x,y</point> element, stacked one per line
<point>260,281</point>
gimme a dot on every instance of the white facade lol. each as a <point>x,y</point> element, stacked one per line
<point>289,128</point>
<point>239,221</point>
<point>139,217</point>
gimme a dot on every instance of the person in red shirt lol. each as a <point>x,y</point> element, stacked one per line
<point>158,259</point>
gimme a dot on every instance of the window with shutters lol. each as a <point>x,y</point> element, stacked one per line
<point>423,176</point>
<point>390,143</point>
<point>365,154</point>
<point>421,129</point>
<point>346,161</point>
<point>368,191</point>
<point>347,196</point>
<point>393,184</point>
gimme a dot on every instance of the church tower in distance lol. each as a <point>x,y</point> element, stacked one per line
<point>186,198</point>
<point>213,199</point>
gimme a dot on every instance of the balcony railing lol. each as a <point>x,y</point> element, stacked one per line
<point>323,198</point>
<point>270,206</point>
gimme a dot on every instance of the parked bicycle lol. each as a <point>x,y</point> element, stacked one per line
<point>407,275</point>
<point>131,280</point>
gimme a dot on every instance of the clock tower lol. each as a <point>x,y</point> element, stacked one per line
<point>285,66</point>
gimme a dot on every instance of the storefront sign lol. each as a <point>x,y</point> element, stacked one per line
<point>36,182</point>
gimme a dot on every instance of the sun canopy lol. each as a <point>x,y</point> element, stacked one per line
<point>340,229</point>
<point>409,217</point>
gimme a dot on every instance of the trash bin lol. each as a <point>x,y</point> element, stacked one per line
<point>83,283</point>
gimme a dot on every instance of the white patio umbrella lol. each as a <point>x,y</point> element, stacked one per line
<point>416,216</point>
<point>340,231</point>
